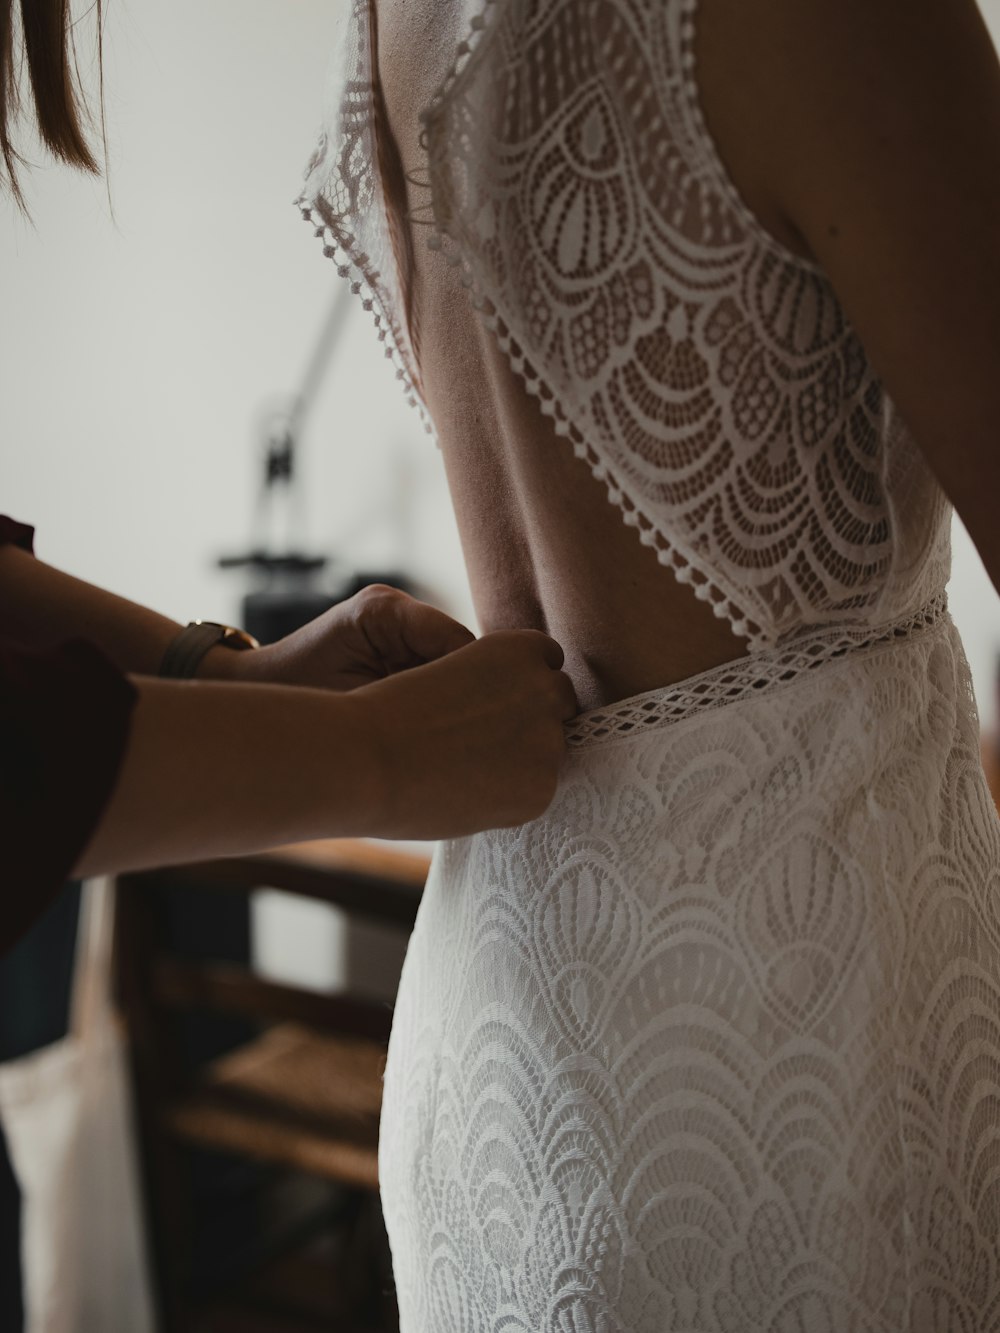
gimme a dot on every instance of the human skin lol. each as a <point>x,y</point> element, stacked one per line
<point>823,115</point>
<point>384,717</point>
<point>883,127</point>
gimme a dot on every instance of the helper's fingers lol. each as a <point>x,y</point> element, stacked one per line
<point>552,653</point>
<point>422,633</point>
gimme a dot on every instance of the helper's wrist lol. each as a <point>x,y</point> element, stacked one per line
<point>386,716</point>
<point>186,653</point>
<point>222,664</point>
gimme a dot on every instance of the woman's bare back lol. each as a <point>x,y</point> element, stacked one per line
<point>544,548</point>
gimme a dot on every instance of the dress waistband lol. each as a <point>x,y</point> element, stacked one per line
<point>753,675</point>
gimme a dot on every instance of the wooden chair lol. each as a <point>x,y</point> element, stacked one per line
<point>288,1109</point>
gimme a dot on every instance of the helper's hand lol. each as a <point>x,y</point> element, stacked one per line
<point>377,633</point>
<point>472,741</point>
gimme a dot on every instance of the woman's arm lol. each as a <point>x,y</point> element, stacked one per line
<point>874,128</point>
<point>373,634</point>
<point>383,717</point>
<point>41,606</point>
<point>471,741</point>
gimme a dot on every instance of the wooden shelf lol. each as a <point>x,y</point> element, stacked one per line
<point>370,880</point>
<point>276,1099</point>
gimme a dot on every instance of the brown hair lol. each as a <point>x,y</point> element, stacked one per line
<point>41,35</point>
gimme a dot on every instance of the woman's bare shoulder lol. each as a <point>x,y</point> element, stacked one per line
<point>871,129</point>
<point>798,92</point>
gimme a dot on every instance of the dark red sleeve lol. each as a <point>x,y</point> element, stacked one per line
<point>64,721</point>
<point>19,533</point>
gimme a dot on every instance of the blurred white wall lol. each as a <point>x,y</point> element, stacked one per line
<point>138,353</point>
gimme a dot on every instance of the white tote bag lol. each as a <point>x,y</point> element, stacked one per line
<point>66,1115</point>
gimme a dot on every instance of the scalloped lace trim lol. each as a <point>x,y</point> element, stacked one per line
<point>350,265</point>
<point>685,567</point>
<point>734,681</point>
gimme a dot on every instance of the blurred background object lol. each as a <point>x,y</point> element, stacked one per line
<point>291,584</point>
<point>260,1156</point>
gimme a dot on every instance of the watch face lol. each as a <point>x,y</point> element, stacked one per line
<point>238,638</point>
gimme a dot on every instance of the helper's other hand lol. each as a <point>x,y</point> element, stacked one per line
<point>377,633</point>
<point>473,741</point>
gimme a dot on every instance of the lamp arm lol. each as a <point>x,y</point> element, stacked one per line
<point>315,373</point>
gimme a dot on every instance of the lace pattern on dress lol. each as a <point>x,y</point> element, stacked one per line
<point>716,1048</point>
<point>341,197</point>
<point>734,681</point>
<point>705,374</point>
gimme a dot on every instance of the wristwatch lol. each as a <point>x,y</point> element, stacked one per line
<point>187,648</point>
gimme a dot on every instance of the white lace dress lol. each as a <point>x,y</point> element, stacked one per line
<point>714,1045</point>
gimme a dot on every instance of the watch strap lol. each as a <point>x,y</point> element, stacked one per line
<point>186,649</point>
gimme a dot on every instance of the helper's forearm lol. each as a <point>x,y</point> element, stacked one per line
<point>41,606</point>
<point>214,769</point>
